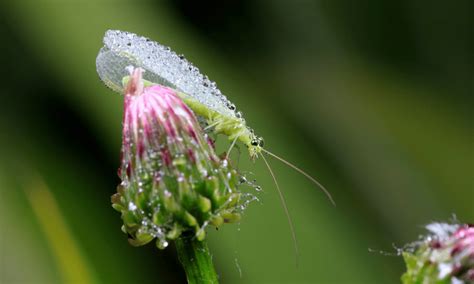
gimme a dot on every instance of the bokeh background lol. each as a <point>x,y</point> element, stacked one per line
<point>374,98</point>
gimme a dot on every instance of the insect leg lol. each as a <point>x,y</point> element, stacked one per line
<point>212,125</point>
<point>231,146</point>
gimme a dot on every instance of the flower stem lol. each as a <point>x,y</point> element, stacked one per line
<point>196,260</point>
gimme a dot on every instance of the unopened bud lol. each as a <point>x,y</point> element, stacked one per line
<point>172,180</point>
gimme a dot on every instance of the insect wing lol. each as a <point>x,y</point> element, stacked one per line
<point>161,65</point>
<point>112,67</point>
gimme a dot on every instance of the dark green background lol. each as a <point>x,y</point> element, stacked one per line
<point>374,98</point>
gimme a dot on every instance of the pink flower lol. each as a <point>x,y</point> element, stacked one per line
<point>157,120</point>
<point>444,256</point>
<point>172,180</point>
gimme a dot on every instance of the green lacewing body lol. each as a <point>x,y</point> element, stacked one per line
<point>163,66</point>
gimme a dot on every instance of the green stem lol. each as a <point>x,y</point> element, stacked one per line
<point>196,260</point>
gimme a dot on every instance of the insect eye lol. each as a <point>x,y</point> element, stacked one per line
<point>261,142</point>
<point>254,142</point>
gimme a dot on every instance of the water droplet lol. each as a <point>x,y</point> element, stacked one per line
<point>225,163</point>
<point>163,244</point>
<point>231,106</point>
<point>238,267</point>
<point>132,206</point>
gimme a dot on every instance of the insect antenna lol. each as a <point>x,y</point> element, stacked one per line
<point>303,173</point>
<point>285,207</point>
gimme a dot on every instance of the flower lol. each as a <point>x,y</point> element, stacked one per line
<point>172,180</point>
<point>446,255</point>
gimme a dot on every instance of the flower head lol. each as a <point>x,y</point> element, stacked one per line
<point>446,255</point>
<point>172,179</point>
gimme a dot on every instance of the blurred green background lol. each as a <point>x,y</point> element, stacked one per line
<point>374,98</point>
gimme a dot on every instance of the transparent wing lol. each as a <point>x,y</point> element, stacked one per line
<point>161,65</point>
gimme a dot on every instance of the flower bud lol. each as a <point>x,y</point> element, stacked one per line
<point>172,180</point>
<point>444,256</point>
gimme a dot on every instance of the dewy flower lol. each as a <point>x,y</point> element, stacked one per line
<point>444,256</point>
<point>172,180</point>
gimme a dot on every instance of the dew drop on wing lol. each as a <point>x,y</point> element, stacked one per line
<point>163,67</point>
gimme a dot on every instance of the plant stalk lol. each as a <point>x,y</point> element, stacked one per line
<point>196,259</point>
